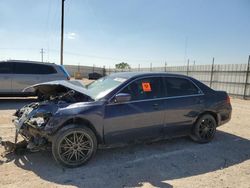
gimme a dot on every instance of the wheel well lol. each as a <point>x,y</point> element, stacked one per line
<point>81,121</point>
<point>210,113</point>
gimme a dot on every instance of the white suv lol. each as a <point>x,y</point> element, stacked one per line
<point>15,75</point>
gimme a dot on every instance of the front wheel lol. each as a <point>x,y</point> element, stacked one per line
<point>74,146</point>
<point>204,129</point>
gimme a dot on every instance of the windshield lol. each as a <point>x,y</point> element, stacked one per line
<point>103,86</point>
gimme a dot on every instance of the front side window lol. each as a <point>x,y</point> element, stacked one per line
<point>45,69</point>
<point>103,86</point>
<point>146,88</point>
<point>180,87</point>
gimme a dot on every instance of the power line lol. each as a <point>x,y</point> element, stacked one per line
<point>94,56</point>
<point>47,35</point>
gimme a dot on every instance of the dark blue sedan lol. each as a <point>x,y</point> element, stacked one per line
<point>120,108</point>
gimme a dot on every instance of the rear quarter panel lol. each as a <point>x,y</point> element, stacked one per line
<point>216,102</point>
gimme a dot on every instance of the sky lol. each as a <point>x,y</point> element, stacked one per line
<point>106,32</point>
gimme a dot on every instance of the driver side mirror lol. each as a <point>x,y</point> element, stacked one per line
<point>122,97</point>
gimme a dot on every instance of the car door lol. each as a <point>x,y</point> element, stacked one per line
<point>183,103</point>
<point>140,118</point>
<point>25,74</point>
<point>6,69</point>
<point>48,73</point>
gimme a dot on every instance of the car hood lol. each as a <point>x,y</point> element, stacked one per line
<point>54,87</point>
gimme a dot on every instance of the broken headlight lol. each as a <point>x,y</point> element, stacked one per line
<point>39,121</point>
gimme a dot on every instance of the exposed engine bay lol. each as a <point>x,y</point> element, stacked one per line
<point>30,121</point>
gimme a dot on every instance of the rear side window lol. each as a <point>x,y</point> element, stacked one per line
<point>31,68</point>
<point>146,88</point>
<point>180,87</point>
<point>5,68</point>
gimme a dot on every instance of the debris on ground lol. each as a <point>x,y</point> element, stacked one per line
<point>10,147</point>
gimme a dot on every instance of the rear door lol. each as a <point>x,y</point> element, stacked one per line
<point>27,74</point>
<point>6,69</point>
<point>141,118</point>
<point>183,103</point>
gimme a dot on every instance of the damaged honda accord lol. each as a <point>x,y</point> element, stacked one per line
<point>74,120</point>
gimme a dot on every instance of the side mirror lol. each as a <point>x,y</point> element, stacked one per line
<point>122,97</point>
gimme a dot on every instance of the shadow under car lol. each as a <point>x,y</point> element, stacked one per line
<point>131,165</point>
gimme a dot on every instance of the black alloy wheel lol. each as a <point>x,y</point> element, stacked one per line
<point>74,146</point>
<point>204,129</point>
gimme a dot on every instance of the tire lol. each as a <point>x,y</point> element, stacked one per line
<point>204,129</point>
<point>74,145</point>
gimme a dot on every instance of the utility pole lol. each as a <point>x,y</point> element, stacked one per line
<point>42,52</point>
<point>62,30</point>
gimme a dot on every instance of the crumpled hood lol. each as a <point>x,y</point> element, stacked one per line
<point>54,87</point>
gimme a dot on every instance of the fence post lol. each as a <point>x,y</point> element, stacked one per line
<point>212,73</point>
<point>187,67</point>
<point>78,67</point>
<point>165,66</point>
<point>247,74</point>
<point>93,68</point>
<point>104,71</point>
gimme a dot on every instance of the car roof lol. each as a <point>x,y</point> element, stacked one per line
<point>129,75</point>
<point>27,61</point>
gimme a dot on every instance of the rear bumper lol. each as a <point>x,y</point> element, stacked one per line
<point>224,116</point>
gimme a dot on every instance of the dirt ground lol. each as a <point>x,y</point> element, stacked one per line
<point>225,162</point>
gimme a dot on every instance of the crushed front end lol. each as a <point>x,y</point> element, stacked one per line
<point>30,122</point>
<point>35,121</point>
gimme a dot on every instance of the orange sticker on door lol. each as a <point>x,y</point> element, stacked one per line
<point>146,86</point>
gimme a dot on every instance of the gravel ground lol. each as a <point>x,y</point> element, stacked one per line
<point>174,163</point>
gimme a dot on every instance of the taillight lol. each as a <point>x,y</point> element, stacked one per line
<point>228,100</point>
<point>65,72</point>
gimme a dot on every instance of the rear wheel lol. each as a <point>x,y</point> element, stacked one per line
<point>74,146</point>
<point>204,129</point>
